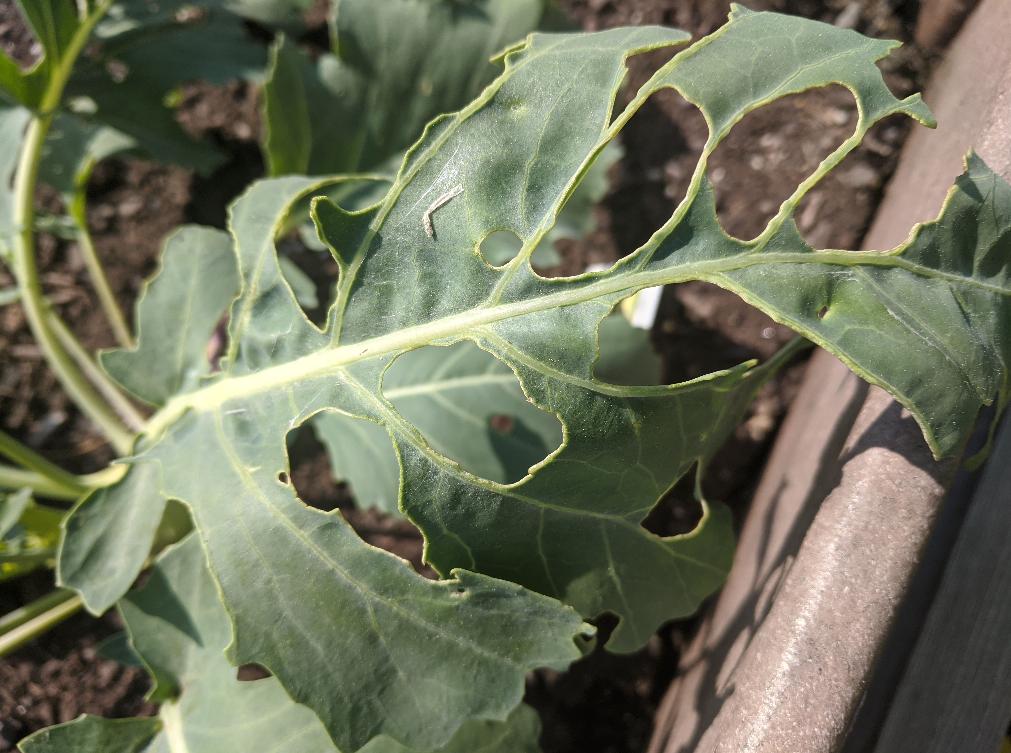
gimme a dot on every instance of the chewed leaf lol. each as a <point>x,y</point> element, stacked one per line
<point>469,406</point>
<point>179,629</point>
<point>302,589</point>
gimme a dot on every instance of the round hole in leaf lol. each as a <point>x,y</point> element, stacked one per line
<point>500,247</point>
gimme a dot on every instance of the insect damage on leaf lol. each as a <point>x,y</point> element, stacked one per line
<point>426,218</point>
<point>179,629</point>
<point>350,631</point>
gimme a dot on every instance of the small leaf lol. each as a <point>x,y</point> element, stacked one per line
<point>117,648</point>
<point>12,506</point>
<point>93,734</point>
<point>54,23</point>
<point>177,312</point>
<point>73,147</point>
<point>108,536</point>
<point>29,533</point>
<point>288,126</point>
<point>282,14</point>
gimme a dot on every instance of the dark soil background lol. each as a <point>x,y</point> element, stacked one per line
<point>604,703</point>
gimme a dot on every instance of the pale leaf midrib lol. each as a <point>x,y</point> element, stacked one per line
<point>172,725</point>
<point>328,360</point>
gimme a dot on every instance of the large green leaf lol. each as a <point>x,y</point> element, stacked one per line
<point>395,66</point>
<point>304,592</point>
<point>179,628</point>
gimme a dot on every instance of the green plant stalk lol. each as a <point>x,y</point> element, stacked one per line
<point>126,410</point>
<point>25,267</point>
<point>19,478</point>
<point>99,280</point>
<point>28,458</point>
<point>30,621</point>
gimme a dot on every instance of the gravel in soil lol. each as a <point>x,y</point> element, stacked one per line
<point>604,703</point>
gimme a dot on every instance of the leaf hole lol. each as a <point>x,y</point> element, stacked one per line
<point>662,144</point>
<point>282,478</point>
<point>839,210</point>
<point>337,465</point>
<point>702,328</point>
<point>502,423</point>
<point>252,673</point>
<point>311,473</point>
<point>772,150</point>
<point>626,354</point>
<point>118,70</point>
<point>500,247</point>
<point>677,512</point>
<point>822,312</point>
<point>310,272</point>
<point>470,408</point>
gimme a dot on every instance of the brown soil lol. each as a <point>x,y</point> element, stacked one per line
<point>604,703</point>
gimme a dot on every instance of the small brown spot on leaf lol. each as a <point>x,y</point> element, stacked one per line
<point>502,424</point>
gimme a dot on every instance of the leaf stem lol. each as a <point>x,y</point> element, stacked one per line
<point>126,410</point>
<point>33,299</point>
<point>27,623</point>
<point>17,478</point>
<point>31,460</point>
<point>99,280</point>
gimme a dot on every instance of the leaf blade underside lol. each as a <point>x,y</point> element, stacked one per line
<point>178,626</point>
<point>572,528</point>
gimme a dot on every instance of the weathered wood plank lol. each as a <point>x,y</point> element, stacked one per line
<point>956,693</point>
